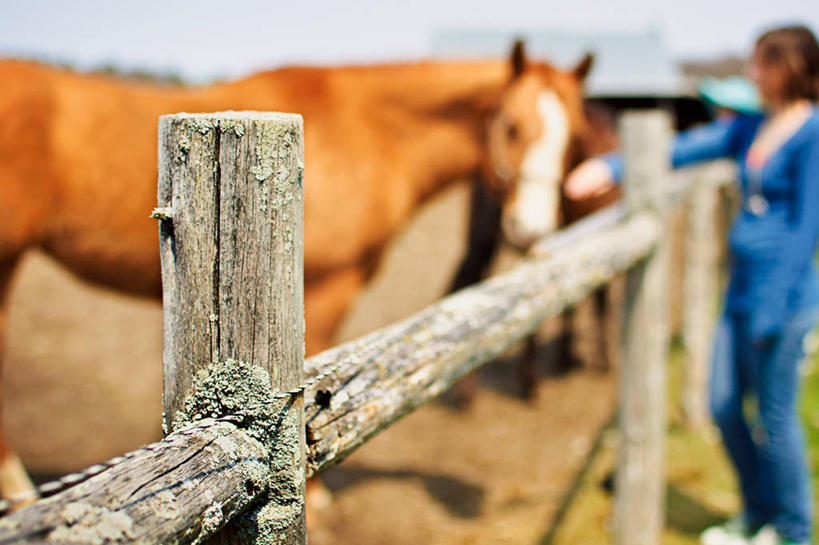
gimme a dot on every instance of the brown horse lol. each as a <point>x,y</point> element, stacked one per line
<point>78,165</point>
<point>486,230</point>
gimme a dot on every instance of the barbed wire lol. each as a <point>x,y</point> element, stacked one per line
<point>52,488</point>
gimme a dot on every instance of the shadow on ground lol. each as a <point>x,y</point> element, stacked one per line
<point>683,513</point>
<point>459,498</point>
<point>507,373</point>
<point>687,515</point>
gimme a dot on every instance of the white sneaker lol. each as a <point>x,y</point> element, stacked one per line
<point>731,532</point>
<point>767,535</point>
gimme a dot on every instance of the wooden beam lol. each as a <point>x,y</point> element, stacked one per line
<point>700,283</point>
<point>700,289</point>
<point>233,288</point>
<point>180,490</point>
<point>640,480</point>
<point>377,379</point>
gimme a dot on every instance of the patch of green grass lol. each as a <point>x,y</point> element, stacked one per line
<point>702,488</point>
<point>809,409</point>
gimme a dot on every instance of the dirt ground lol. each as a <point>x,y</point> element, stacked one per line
<point>82,383</point>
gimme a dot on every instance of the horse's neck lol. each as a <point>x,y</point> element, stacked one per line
<point>396,135</point>
<point>436,114</point>
<point>430,114</point>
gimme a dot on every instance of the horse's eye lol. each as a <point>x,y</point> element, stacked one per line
<point>512,132</point>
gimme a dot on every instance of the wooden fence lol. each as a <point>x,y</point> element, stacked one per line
<point>248,420</point>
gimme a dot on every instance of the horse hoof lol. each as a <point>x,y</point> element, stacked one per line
<point>529,392</point>
<point>15,485</point>
<point>318,499</point>
<point>460,401</point>
<point>462,394</point>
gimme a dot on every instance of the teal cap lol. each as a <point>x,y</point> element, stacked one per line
<point>734,92</point>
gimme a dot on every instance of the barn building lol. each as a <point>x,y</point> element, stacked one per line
<point>633,70</point>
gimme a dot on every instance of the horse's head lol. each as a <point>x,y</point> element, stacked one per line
<point>532,139</point>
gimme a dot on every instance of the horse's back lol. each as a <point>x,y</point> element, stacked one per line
<point>87,179</point>
<point>77,164</point>
<point>26,106</point>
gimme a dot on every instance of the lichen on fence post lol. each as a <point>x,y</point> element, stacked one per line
<point>640,480</point>
<point>232,268</point>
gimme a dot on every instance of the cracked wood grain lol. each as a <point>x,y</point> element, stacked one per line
<point>180,491</point>
<point>233,290</point>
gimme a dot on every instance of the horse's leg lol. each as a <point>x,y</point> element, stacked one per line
<point>482,239</point>
<point>15,483</point>
<point>526,368</point>
<point>326,302</point>
<point>565,347</point>
<point>611,321</point>
<point>27,195</point>
<point>482,243</point>
<point>601,362</point>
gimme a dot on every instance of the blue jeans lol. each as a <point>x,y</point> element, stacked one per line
<point>770,461</point>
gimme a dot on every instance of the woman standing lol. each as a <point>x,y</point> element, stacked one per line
<point>773,293</point>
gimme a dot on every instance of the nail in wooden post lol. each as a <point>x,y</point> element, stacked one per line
<point>232,272</point>
<point>640,474</point>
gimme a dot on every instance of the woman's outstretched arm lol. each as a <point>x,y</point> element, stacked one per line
<point>715,140</point>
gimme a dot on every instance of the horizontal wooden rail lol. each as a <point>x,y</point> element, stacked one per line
<point>388,373</point>
<point>179,490</point>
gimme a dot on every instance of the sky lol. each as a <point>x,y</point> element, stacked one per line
<point>204,39</point>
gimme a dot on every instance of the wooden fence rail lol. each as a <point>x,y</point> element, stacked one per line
<point>230,187</point>
<point>385,374</point>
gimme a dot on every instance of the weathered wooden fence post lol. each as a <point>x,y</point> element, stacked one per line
<point>700,289</point>
<point>640,490</point>
<point>230,196</point>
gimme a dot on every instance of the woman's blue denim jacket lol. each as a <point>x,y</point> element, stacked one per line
<point>772,265</point>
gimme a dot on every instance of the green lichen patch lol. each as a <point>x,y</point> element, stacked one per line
<point>227,388</point>
<point>164,505</point>
<point>203,125</point>
<point>183,148</point>
<point>272,524</point>
<point>230,387</point>
<point>232,124</point>
<point>282,515</point>
<point>275,141</point>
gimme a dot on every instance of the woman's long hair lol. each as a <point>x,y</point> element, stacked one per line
<point>796,51</point>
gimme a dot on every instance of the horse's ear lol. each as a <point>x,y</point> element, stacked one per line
<point>583,67</point>
<point>518,58</point>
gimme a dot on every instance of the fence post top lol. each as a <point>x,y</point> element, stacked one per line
<point>241,115</point>
<point>646,136</point>
<point>652,115</point>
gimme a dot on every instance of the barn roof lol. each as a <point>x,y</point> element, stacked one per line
<point>633,64</point>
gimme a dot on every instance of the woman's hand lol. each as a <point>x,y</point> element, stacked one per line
<point>589,179</point>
